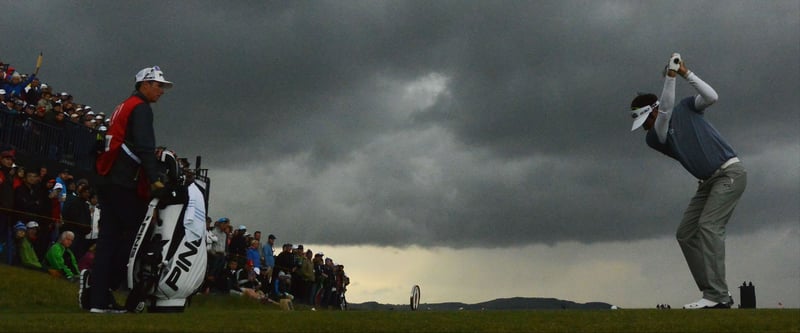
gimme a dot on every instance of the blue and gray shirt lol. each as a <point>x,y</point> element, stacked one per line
<point>692,141</point>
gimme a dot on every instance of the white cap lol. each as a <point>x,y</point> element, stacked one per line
<point>153,74</point>
<point>32,224</point>
<point>58,186</point>
<point>640,115</point>
<point>2,91</point>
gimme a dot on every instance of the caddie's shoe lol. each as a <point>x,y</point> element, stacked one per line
<point>83,290</point>
<point>706,304</point>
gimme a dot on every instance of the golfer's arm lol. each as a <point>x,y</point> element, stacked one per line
<point>706,95</point>
<point>667,102</point>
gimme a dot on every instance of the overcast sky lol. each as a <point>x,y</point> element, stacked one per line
<point>456,131</point>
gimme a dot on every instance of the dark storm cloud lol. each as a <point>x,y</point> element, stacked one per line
<point>537,142</point>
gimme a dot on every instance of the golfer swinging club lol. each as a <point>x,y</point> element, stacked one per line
<point>681,131</point>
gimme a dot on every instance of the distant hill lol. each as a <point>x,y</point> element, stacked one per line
<point>515,303</point>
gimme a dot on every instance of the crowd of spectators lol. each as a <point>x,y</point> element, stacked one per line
<point>38,119</point>
<point>47,221</point>
<point>240,264</point>
<point>26,95</point>
<point>53,220</point>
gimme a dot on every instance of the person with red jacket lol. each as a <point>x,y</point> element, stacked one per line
<point>127,171</point>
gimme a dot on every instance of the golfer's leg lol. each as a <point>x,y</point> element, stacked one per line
<point>725,193</point>
<point>689,238</point>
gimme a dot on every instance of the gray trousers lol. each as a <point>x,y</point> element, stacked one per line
<point>701,234</point>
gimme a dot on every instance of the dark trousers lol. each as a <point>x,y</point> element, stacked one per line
<point>123,211</point>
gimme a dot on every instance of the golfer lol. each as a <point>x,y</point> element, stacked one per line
<point>681,132</point>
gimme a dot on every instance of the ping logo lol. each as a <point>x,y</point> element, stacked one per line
<point>183,264</point>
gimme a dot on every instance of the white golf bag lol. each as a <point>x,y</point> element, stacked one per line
<point>167,263</point>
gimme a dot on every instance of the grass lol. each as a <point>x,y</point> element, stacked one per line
<point>34,302</point>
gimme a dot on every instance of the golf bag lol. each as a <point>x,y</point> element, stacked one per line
<point>167,263</point>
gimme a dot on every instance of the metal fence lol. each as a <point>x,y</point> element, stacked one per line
<point>68,143</point>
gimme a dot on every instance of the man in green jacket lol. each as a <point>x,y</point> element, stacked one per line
<point>60,259</point>
<point>27,254</point>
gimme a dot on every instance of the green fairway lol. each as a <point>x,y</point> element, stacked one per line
<point>34,302</point>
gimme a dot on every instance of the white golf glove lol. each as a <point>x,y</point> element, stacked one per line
<point>674,62</point>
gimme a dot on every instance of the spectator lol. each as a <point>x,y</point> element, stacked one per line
<point>57,108</point>
<point>319,278</point>
<point>284,266</point>
<point>254,255</point>
<point>43,173</point>
<point>211,239</point>
<point>243,282</point>
<point>252,286</point>
<point>61,261</point>
<point>19,176</point>
<point>268,255</point>
<point>238,247</point>
<point>38,112</point>
<point>19,236</point>
<point>27,200</point>
<point>33,92</point>
<point>77,217</point>
<point>16,87</point>
<point>6,104</point>
<point>46,102</point>
<point>64,97</point>
<point>90,123</point>
<point>27,253</point>
<point>284,261</point>
<point>328,283</point>
<point>304,273</point>
<point>216,259</point>
<point>59,120</point>
<point>94,208</point>
<point>307,273</point>
<point>264,280</point>
<point>341,283</point>
<point>7,156</point>
<point>283,286</point>
<point>63,177</point>
<point>4,69</point>
<point>51,204</point>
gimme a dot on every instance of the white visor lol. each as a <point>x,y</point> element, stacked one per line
<point>640,115</point>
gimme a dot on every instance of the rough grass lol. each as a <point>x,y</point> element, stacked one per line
<point>34,302</point>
